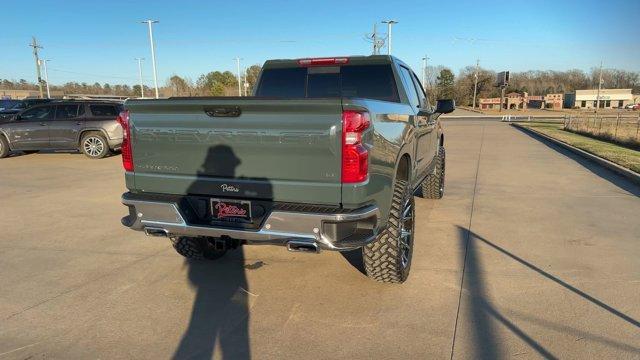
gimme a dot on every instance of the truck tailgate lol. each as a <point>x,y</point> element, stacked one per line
<point>281,150</point>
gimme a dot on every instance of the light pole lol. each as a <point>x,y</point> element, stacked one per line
<point>140,75</point>
<point>599,88</point>
<point>237,59</point>
<point>424,72</point>
<point>389,23</point>
<point>46,76</point>
<point>475,85</point>
<point>153,54</point>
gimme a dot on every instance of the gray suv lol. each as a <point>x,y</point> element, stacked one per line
<point>88,126</point>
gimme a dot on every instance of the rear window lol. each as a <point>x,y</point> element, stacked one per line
<point>104,110</point>
<point>364,81</point>
<point>283,83</point>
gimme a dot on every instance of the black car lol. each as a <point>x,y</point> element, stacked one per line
<point>89,126</point>
<point>7,103</point>
<point>21,105</point>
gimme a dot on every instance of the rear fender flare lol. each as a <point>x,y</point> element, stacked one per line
<point>406,149</point>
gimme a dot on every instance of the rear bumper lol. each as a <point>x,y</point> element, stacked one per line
<point>345,231</point>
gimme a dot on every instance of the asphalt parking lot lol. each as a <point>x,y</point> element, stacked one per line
<point>532,253</point>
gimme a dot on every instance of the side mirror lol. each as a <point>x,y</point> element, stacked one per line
<point>445,106</point>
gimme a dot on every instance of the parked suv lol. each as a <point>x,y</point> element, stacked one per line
<point>327,155</point>
<point>88,126</point>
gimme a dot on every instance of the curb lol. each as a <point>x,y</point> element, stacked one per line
<point>629,174</point>
<point>470,109</point>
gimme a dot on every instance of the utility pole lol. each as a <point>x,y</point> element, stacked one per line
<point>140,75</point>
<point>153,54</point>
<point>375,39</point>
<point>475,85</point>
<point>46,76</point>
<point>389,24</point>
<point>599,88</point>
<point>35,46</point>
<point>424,72</point>
<point>237,59</point>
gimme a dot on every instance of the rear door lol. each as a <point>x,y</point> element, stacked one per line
<point>31,130</point>
<point>65,128</point>
<point>285,150</point>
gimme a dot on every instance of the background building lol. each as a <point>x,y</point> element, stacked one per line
<point>553,101</point>
<point>512,100</point>
<point>9,94</point>
<point>489,103</point>
<point>535,102</point>
<point>609,98</point>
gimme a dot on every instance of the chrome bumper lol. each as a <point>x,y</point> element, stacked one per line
<point>279,228</point>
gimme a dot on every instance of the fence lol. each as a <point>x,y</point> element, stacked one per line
<point>621,128</point>
<point>536,118</point>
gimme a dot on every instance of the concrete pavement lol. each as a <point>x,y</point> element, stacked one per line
<point>531,253</point>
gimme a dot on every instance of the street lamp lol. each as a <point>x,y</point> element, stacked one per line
<point>46,76</point>
<point>153,54</point>
<point>389,24</point>
<point>424,72</point>
<point>237,59</point>
<point>140,74</point>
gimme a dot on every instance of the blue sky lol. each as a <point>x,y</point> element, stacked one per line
<point>98,41</point>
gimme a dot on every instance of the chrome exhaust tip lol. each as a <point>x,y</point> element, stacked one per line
<point>303,246</point>
<point>156,232</point>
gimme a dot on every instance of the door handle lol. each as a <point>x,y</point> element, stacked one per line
<point>79,123</point>
<point>43,124</point>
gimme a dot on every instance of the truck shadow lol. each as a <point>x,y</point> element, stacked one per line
<point>219,323</point>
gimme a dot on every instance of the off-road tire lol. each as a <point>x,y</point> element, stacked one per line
<point>95,137</point>
<point>433,184</point>
<point>196,248</point>
<point>4,147</point>
<point>383,258</point>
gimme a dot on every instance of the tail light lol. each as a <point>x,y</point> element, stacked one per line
<point>323,61</point>
<point>355,157</point>
<point>127,156</point>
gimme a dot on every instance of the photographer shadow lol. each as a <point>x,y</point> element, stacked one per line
<point>219,323</point>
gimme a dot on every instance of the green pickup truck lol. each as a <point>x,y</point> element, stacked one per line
<point>328,154</point>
